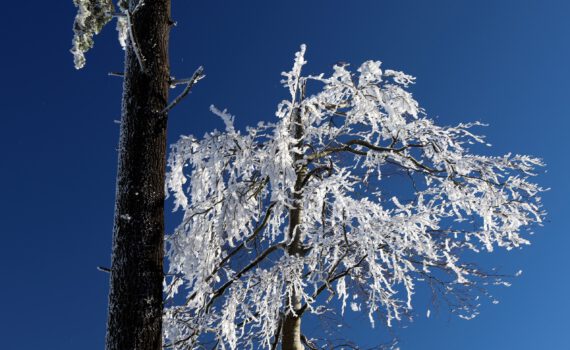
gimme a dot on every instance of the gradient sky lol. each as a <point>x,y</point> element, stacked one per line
<point>506,63</point>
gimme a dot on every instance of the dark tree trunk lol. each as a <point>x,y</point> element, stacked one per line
<point>135,298</point>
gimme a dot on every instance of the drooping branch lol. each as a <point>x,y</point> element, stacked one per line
<point>330,280</point>
<point>218,292</point>
<point>316,172</point>
<point>237,249</point>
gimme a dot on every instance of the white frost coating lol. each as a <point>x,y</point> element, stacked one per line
<point>126,217</point>
<point>123,31</point>
<point>229,249</point>
<point>92,15</point>
<point>293,77</point>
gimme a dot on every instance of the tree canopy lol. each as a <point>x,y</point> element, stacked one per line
<point>282,214</point>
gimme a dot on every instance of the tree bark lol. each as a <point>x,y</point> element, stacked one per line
<point>291,336</point>
<point>135,298</point>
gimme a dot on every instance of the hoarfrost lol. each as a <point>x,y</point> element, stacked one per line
<point>92,15</point>
<point>324,155</point>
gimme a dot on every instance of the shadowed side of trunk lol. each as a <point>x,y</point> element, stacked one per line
<point>135,298</point>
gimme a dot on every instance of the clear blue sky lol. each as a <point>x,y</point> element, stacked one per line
<point>506,63</point>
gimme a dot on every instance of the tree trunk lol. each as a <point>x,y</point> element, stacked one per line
<point>291,336</point>
<point>135,298</point>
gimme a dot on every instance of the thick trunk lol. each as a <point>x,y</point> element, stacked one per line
<point>135,298</point>
<point>291,336</point>
<point>291,333</point>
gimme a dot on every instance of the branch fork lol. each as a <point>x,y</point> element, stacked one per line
<point>198,75</point>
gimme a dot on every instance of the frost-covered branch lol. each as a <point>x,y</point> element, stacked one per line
<point>198,74</point>
<point>133,39</point>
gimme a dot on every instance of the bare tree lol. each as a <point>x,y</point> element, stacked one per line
<point>288,215</point>
<point>135,299</point>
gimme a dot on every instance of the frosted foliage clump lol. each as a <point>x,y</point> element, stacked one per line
<point>92,15</point>
<point>365,241</point>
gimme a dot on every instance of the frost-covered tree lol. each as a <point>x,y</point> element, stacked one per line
<point>135,298</point>
<point>281,217</point>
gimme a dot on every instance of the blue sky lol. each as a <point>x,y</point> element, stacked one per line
<point>506,63</point>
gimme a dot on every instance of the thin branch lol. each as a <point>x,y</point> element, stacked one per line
<point>327,284</point>
<point>381,149</point>
<point>257,230</point>
<point>308,343</point>
<point>238,275</point>
<point>198,74</point>
<point>175,82</point>
<point>138,6</point>
<point>346,147</point>
<point>104,269</point>
<point>116,74</point>
<point>316,172</point>
<point>134,43</point>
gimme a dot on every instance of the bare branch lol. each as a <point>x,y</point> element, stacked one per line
<point>308,343</point>
<point>198,74</point>
<point>104,269</point>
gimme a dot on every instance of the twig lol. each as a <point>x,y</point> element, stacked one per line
<point>198,74</point>
<point>138,6</point>
<point>103,269</point>
<point>116,74</point>
<point>175,82</point>
<point>238,275</point>
<point>327,284</point>
<point>238,248</point>
<point>308,343</point>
